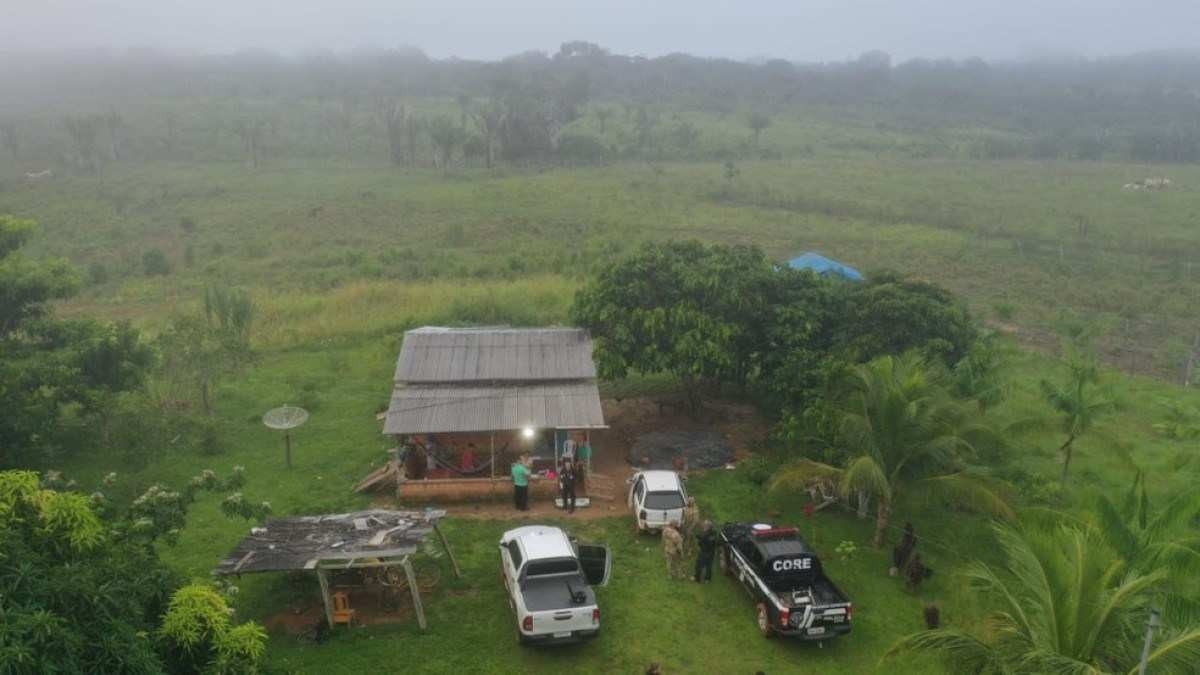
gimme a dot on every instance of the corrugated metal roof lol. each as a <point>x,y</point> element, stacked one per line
<point>432,408</point>
<point>303,542</point>
<point>434,354</point>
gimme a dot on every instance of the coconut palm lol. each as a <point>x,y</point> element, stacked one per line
<point>1077,401</point>
<point>904,432</point>
<point>1147,539</point>
<point>1063,602</point>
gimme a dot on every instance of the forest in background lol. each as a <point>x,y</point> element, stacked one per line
<point>584,104</point>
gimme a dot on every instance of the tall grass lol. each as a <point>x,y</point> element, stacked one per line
<point>363,308</point>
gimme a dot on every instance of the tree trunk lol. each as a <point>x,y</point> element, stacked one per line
<point>1066,449</point>
<point>864,502</point>
<point>691,392</point>
<point>882,516</point>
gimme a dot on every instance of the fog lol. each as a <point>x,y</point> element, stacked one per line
<point>805,30</point>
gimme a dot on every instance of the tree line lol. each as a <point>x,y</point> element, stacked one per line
<point>1139,107</point>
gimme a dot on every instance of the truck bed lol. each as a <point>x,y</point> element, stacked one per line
<point>552,593</point>
<point>823,590</point>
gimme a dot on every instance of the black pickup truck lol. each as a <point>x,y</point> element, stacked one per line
<point>784,577</point>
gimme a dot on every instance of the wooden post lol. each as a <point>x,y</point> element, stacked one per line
<point>493,446</point>
<point>446,545</point>
<point>416,592</point>
<point>324,580</point>
<point>1190,367</point>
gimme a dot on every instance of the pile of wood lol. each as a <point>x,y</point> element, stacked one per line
<point>387,476</point>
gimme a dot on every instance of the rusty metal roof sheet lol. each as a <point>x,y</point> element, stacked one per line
<point>303,542</point>
<point>433,354</point>
<point>420,409</point>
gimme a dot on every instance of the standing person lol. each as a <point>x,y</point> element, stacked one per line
<point>904,550</point>
<point>706,541</point>
<point>566,485</point>
<point>691,520</point>
<point>520,479</point>
<point>583,459</point>
<point>415,463</point>
<point>673,549</point>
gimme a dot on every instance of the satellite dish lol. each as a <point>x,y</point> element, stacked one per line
<point>286,418</point>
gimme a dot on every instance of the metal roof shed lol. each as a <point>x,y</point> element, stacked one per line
<point>373,538</point>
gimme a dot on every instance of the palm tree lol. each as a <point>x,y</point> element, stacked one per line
<point>1147,540</point>
<point>1076,401</point>
<point>904,432</point>
<point>757,121</point>
<point>1063,602</point>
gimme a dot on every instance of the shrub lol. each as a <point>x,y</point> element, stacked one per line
<point>97,273</point>
<point>155,263</point>
<point>199,636</point>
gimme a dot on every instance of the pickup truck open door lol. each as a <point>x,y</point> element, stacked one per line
<point>596,562</point>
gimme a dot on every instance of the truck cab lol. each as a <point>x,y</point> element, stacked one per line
<point>550,580</point>
<point>656,498</point>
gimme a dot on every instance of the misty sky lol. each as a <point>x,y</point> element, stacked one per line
<point>806,30</point>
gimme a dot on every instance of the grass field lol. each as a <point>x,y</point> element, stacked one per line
<point>342,259</point>
<point>1021,241</point>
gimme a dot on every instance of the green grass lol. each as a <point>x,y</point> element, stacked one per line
<point>341,259</point>
<point>1038,238</point>
<point>646,617</point>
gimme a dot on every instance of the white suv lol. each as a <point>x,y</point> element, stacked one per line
<point>656,498</point>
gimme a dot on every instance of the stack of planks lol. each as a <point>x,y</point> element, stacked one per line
<point>388,475</point>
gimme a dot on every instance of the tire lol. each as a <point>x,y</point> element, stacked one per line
<point>724,562</point>
<point>764,620</point>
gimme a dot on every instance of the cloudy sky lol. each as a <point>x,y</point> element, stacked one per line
<point>808,30</point>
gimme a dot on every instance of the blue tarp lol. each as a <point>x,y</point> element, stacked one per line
<point>824,266</point>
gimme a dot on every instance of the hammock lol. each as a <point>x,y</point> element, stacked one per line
<point>442,464</point>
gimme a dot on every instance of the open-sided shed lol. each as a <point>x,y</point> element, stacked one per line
<point>373,538</point>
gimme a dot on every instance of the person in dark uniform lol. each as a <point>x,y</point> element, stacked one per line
<point>706,541</point>
<point>566,485</point>
<point>903,551</point>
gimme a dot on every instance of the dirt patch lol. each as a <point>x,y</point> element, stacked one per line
<point>739,426</point>
<point>300,620</point>
<point>659,449</point>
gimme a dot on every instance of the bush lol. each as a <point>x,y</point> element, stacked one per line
<point>199,636</point>
<point>97,273</point>
<point>582,149</point>
<point>155,263</point>
<point>758,469</point>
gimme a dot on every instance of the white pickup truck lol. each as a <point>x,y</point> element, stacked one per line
<point>549,578</point>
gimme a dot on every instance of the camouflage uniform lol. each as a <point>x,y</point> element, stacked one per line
<point>673,549</point>
<point>691,519</point>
